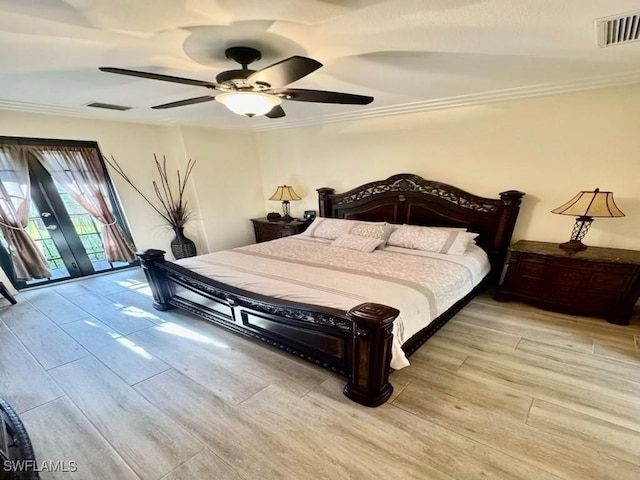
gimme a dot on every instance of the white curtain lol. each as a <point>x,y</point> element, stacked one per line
<point>15,195</point>
<point>80,172</point>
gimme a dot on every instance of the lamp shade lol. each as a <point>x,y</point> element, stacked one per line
<point>248,103</point>
<point>590,204</point>
<point>285,193</point>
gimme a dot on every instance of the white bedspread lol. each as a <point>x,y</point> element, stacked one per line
<point>421,285</point>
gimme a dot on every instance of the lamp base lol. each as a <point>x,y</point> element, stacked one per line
<point>573,246</point>
<point>287,218</point>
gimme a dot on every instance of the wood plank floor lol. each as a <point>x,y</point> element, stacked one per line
<point>503,391</point>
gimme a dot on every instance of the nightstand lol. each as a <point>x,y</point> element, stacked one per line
<point>266,230</point>
<point>597,282</point>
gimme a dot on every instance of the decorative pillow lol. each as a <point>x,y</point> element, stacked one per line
<point>332,228</point>
<point>329,228</point>
<point>356,242</point>
<point>461,243</point>
<point>431,239</point>
<point>379,230</point>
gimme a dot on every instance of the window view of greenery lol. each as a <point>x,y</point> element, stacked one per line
<point>66,258</point>
<point>39,233</point>
<point>85,226</point>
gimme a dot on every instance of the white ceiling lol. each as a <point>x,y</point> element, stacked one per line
<point>410,55</point>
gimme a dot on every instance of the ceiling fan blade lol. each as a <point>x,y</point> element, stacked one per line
<point>321,96</point>
<point>275,112</point>
<point>157,76</point>
<point>181,103</point>
<point>285,71</point>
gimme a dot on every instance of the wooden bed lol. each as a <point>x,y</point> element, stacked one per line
<point>355,343</point>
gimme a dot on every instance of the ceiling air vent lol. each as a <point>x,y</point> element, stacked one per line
<point>108,106</point>
<point>618,29</point>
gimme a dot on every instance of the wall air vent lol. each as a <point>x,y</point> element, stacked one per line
<point>618,29</point>
<point>108,106</point>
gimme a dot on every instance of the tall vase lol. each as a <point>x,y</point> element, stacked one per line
<point>181,246</point>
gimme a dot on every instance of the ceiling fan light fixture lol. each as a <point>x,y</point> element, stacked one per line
<point>248,103</point>
<point>249,92</point>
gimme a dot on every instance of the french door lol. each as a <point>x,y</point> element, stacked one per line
<point>68,235</point>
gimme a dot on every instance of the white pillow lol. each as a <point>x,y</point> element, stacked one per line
<point>356,242</point>
<point>452,241</point>
<point>378,230</point>
<point>332,228</point>
<point>328,228</point>
<point>461,243</point>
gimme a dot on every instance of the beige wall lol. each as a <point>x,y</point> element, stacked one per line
<point>549,147</point>
<point>227,184</point>
<point>225,187</point>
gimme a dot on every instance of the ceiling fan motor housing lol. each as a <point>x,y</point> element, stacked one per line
<point>243,55</point>
<point>229,75</point>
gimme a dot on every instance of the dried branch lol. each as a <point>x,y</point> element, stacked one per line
<point>173,207</point>
<point>166,187</point>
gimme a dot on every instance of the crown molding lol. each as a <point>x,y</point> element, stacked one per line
<point>539,90</point>
<point>81,112</point>
<point>517,93</point>
<point>29,107</point>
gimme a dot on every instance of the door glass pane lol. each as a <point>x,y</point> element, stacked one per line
<point>39,233</point>
<point>89,232</point>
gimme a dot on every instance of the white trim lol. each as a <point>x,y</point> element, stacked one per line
<point>517,93</point>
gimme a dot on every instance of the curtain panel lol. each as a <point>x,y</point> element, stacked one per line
<point>81,174</point>
<point>15,199</point>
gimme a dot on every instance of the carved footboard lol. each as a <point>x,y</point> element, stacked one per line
<point>355,344</point>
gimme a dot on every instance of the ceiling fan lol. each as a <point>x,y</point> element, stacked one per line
<point>250,92</point>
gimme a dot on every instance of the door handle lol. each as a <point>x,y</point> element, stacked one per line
<point>51,227</point>
<point>45,214</point>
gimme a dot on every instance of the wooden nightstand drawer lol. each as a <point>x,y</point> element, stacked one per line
<point>529,286</point>
<point>594,299</point>
<point>559,293</point>
<point>613,282</point>
<point>597,281</point>
<point>276,231</point>
<point>575,277</point>
<point>532,268</point>
<point>266,230</point>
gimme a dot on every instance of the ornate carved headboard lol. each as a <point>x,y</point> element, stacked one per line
<point>410,199</point>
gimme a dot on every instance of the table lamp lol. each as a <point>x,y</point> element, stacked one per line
<point>586,205</point>
<point>285,194</point>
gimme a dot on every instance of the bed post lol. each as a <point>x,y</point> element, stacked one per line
<point>371,354</point>
<point>160,287</point>
<point>511,200</point>
<point>509,209</point>
<point>324,202</point>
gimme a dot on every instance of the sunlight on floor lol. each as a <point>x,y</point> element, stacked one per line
<point>134,348</point>
<point>175,329</point>
<point>137,312</point>
<point>144,289</point>
<point>138,286</point>
<point>130,283</point>
<point>94,325</point>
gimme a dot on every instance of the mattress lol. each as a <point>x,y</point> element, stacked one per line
<point>421,285</point>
